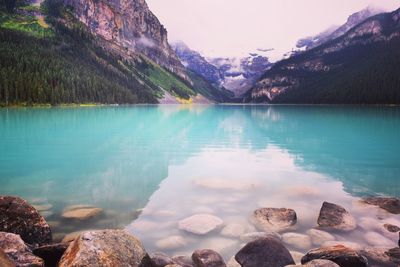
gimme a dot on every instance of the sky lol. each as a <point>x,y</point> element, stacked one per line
<point>234,28</point>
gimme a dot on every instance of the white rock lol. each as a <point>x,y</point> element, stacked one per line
<point>319,237</point>
<point>172,242</point>
<point>375,239</point>
<point>200,224</point>
<point>233,230</point>
<point>296,240</point>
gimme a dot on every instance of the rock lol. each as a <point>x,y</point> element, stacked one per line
<point>391,228</point>
<point>160,259</point>
<point>321,263</point>
<point>81,212</point>
<point>341,255</point>
<point>296,240</point>
<point>267,219</point>
<point>256,235</point>
<point>71,236</point>
<point>19,217</point>
<point>379,256</point>
<point>17,251</point>
<point>51,254</point>
<point>335,216</point>
<point>5,260</point>
<point>207,258</point>
<point>390,204</point>
<point>105,248</point>
<point>264,252</point>
<point>233,230</point>
<point>200,224</point>
<point>172,242</point>
<point>375,239</point>
<point>348,244</point>
<point>319,237</point>
<point>183,261</point>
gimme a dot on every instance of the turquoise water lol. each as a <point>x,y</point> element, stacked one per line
<point>170,162</point>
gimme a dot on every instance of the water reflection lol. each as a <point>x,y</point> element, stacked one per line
<point>118,158</point>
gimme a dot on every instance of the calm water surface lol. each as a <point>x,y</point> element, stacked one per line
<point>150,166</point>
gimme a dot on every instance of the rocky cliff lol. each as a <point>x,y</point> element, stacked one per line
<point>130,25</point>
<point>357,67</point>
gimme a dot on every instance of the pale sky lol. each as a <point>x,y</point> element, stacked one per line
<point>228,28</point>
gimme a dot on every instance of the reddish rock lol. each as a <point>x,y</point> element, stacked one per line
<point>341,255</point>
<point>19,217</point>
<point>274,219</point>
<point>335,216</point>
<point>390,204</point>
<point>5,260</point>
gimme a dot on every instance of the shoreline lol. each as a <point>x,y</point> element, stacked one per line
<point>272,224</point>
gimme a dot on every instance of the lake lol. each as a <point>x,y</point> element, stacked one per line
<point>148,167</point>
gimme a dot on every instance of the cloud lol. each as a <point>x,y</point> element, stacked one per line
<point>146,42</point>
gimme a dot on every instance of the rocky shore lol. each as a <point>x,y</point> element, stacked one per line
<point>26,240</point>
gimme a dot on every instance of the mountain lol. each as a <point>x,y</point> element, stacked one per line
<point>75,51</point>
<point>235,74</point>
<point>359,67</point>
<point>337,31</point>
<point>195,62</point>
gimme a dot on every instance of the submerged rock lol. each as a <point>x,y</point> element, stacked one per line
<point>105,248</point>
<point>172,242</point>
<point>19,217</point>
<point>51,254</point>
<point>391,228</point>
<point>81,212</point>
<point>256,235</point>
<point>233,230</point>
<point>207,258</point>
<point>319,237</point>
<point>71,236</point>
<point>296,240</point>
<point>43,207</point>
<point>5,260</point>
<point>17,251</point>
<point>274,219</point>
<point>160,259</point>
<point>378,240</point>
<point>264,252</point>
<point>343,256</point>
<point>335,216</point>
<point>390,204</point>
<point>200,224</point>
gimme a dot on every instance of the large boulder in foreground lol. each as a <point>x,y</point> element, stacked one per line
<point>19,217</point>
<point>105,248</point>
<point>207,258</point>
<point>341,255</point>
<point>390,204</point>
<point>200,224</point>
<point>17,251</point>
<point>336,217</point>
<point>266,251</point>
<point>274,219</point>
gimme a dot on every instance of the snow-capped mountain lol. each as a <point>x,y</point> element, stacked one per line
<point>337,31</point>
<point>235,74</point>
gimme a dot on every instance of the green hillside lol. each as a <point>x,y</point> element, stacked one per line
<point>56,61</point>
